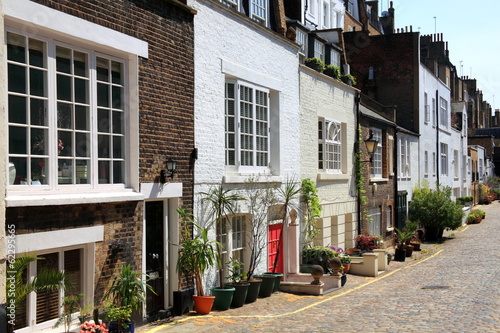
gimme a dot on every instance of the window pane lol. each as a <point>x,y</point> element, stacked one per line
<point>17,170</point>
<point>103,173</point>
<point>82,141</point>
<point>36,53</point>
<point>37,82</point>
<point>47,302</point>
<point>116,72</point>
<point>102,69</point>
<point>17,78</point>
<point>117,97</point>
<point>102,95</point>
<point>118,122</point>
<point>39,142</point>
<point>118,171</point>
<point>81,91</point>
<point>67,141</point>
<point>39,168</point>
<point>17,140</point>
<point>82,172</point>
<point>38,112</point>
<point>64,115</point>
<point>72,267</point>
<point>64,88</point>
<point>118,147</point>
<point>16,47</point>
<point>63,60</point>
<point>80,64</point>
<point>103,146</point>
<point>65,171</point>
<point>103,120</point>
<point>17,109</point>
<point>82,118</point>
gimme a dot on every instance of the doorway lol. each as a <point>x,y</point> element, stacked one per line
<point>155,256</point>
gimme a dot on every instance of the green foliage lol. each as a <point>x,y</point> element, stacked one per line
<point>332,71</point>
<point>368,242</point>
<point>70,305</point>
<point>360,179</point>
<point>236,273</point>
<point>464,200</point>
<point>312,209</point>
<point>433,208</point>
<point>196,254</point>
<point>316,64</point>
<point>405,235</point>
<point>318,255</point>
<point>128,289</point>
<point>345,259</point>
<point>348,79</point>
<point>119,314</point>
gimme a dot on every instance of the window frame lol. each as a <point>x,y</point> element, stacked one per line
<point>427,109</point>
<point>377,161</point>
<point>319,49</point>
<point>443,113</point>
<point>93,52</point>
<point>324,143</point>
<point>263,6</point>
<point>228,248</point>
<point>238,166</point>
<point>443,147</point>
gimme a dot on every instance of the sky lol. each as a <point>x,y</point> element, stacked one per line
<point>471,29</point>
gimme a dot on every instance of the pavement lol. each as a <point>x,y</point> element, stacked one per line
<point>450,286</point>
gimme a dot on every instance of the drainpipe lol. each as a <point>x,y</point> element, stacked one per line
<point>357,100</point>
<point>438,155</point>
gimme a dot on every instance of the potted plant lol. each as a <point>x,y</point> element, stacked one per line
<point>196,254</point>
<point>318,255</point>
<point>259,196</point>
<point>348,79</point>
<point>93,327</point>
<point>403,236</point>
<point>127,291</point>
<point>346,263</point>
<point>367,242</point>
<point>236,276</point>
<point>70,305</point>
<point>316,64</point>
<point>332,71</point>
<point>119,318</point>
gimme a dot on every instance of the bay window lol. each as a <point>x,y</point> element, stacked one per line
<point>66,114</point>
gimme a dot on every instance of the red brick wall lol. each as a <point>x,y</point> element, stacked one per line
<point>395,61</point>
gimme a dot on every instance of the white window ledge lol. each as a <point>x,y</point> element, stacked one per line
<point>48,199</point>
<point>322,176</point>
<point>240,179</point>
<point>378,180</point>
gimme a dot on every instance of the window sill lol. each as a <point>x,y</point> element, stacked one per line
<point>323,176</point>
<point>378,180</point>
<point>65,198</point>
<point>257,178</point>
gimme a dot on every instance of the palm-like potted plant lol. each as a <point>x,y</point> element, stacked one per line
<point>403,237</point>
<point>236,281</point>
<point>196,255</point>
<point>127,293</point>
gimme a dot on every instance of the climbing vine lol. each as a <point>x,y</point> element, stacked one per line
<point>312,209</point>
<point>360,179</point>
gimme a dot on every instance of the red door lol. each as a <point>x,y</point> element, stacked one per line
<point>272,247</point>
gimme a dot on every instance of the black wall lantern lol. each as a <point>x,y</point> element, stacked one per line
<point>371,145</point>
<point>169,172</point>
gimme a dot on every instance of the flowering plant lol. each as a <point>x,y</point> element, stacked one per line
<point>37,173</point>
<point>92,327</point>
<point>40,145</point>
<point>368,242</point>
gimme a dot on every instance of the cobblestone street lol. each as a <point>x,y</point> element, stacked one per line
<point>449,287</point>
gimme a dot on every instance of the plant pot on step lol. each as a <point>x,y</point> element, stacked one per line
<point>347,267</point>
<point>203,304</point>
<point>240,293</point>
<point>416,246</point>
<point>400,254</point>
<point>253,290</point>
<point>223,297</point>
<point>409,250</point>
<point>277,280</point>
<point>267,285</point>
<point>343,279</point>
<point>126,327</point>
<point>183,301</point>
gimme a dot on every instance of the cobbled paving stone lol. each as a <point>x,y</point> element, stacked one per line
<point>449,287</point>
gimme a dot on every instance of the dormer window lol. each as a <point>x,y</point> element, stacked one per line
<point>258,10</point>
<point>319,50</point>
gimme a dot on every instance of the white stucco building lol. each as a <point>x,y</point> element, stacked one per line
<point>246,113</point>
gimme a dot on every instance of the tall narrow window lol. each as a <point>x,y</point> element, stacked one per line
<point>433,163</point>
<point>444,159</point>
<point>247,127</point>
<point>330,146</point>
<point>427,109</point>
<point>259,11</point>
<point>434,112</point>
<point>376,165</point>
<point>443,112</point>
<point>456,163</point>
<point>319,50</point>
<point>231,233</point>
<point>426,163</point>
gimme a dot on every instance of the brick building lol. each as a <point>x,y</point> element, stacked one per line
<point>106,103</point>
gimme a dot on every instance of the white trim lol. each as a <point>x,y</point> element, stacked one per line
<point>158,190</point>
<point>243,73</point>
<point>39,16</point>
<point>259,178</point>
<point>333,176</point>
<point>40,241</point>
<point>46,199</point>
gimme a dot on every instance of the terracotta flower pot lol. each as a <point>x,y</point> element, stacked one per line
<point>203,304</point>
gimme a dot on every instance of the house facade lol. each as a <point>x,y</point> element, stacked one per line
<point>94,110</point>
<point>246,118</point>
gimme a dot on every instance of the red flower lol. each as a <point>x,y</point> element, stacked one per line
<point>42,164</point>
